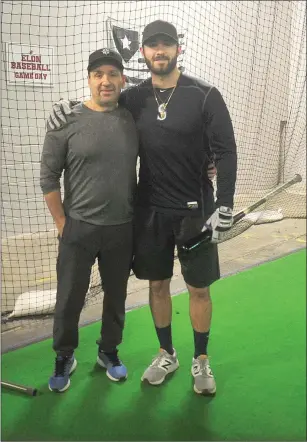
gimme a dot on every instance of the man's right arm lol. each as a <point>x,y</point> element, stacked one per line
<point>55,206</point>
<point>52,165</point>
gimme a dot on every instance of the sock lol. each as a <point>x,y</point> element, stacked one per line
<point>165,338</point>
<point>200,343</point>
<point>65,354</point>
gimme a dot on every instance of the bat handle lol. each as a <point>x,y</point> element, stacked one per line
<point>20,388</point>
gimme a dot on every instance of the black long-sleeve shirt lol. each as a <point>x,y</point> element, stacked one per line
<point>175,152</point>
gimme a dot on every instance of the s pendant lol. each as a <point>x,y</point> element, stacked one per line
<point>161,116</point>
<point>162,112</point>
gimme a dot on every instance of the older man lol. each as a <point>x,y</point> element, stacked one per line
<point>97,150</point>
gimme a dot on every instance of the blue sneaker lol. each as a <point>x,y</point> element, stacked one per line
<point>64,366</point>
<point>116,371</point>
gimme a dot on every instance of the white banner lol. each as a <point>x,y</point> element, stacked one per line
<point>29,65</point>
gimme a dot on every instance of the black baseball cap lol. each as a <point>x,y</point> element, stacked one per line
<point>105,56</point>
<point>159,27</point>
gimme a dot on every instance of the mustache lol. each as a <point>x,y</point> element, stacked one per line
<point>161,57</point>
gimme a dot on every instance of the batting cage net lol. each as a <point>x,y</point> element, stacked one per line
<point>254,52</point>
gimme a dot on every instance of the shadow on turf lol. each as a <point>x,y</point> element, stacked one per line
<point>56,417</point>
<point>187,420</point>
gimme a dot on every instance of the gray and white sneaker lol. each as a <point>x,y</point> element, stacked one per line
<point>161,366</point>
<point>204,382</point>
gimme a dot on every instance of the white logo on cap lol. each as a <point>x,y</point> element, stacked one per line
<point>105,51</point>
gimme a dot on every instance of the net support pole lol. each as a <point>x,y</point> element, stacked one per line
<point>282,151</point>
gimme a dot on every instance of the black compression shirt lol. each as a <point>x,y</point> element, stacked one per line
<point>175,152</point>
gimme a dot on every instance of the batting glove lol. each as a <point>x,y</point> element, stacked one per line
<point>60,110</point>
<point>220,221</point>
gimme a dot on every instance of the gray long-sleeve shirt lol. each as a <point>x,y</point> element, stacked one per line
<point>98,153</point>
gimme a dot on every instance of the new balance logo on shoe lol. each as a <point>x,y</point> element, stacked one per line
<point>196,370</point>
<point>166,364</point>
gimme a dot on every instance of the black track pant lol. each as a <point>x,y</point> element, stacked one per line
<point>81,243</point>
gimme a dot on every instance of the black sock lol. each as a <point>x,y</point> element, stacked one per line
<point>200,343</point>
<point>165,338</point>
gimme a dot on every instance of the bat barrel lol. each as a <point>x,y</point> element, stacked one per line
<point>205,236</point>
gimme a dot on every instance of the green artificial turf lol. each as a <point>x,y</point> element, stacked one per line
<point>258,355</point>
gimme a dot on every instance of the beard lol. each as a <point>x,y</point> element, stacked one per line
<point>163,70</point>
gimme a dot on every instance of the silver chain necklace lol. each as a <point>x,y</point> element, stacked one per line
<point>162,106</point>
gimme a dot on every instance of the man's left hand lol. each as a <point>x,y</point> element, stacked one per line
<point>219,222</point>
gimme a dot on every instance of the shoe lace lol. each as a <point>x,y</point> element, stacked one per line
<point>60,364</point>
<point>158,359</point>
<point>114,359</point>
<point>204,367</point>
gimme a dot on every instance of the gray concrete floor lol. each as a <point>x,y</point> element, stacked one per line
<point>258,244</point>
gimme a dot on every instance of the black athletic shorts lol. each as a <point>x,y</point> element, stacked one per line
<point>155,237</point>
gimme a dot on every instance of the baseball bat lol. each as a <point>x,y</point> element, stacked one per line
<point>20,388</point>
<point>205,236</point>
